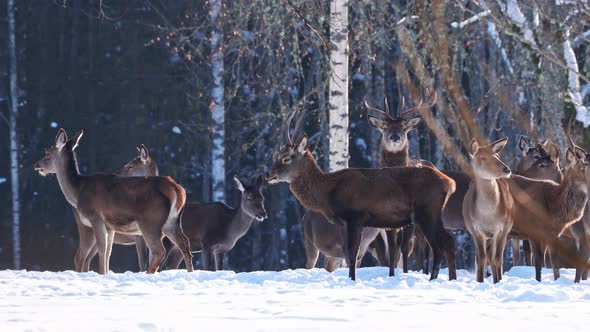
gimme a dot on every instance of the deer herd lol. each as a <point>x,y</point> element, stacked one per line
<point>405,206</point>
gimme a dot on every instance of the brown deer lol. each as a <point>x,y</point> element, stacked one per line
<point>214,228</point>
<point>543,210</point>
<point>355,198</point>
<point>147,206</point>
<point>547,169</point>
<point>142,165</point>
<point>487,207</point>
<point>394,151</point>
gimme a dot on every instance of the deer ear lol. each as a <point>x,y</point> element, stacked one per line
<point>377,123</point>
<point>303,144</point>
<point>523,144</point>
<point>580,153</point>
<point>498,145</point>
<point>413,123</point>
<point>473,147</point>
<point>76,139</point>
<point>61,139</point>
<point>239,184</point>
<point>553,150</point>
<point>143,153</point>
<point>570,157</point>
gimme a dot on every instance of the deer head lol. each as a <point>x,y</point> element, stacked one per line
<point>485,160</point>
<point>531,153</point>
<point>291,158</point>
<point>395,130</point>
<point>252,201</point>
<point>142,165</point>
<point>55,155</point>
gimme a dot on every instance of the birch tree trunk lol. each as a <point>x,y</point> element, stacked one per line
<point>217,109</point>
<point>338,84</point>
<point>14,155</point>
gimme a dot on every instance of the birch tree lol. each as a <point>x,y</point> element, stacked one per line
<point>216,105</point>
<point>14,155</point>
<point>338,84</point>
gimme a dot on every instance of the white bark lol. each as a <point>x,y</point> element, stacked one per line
<point>573,82</point>
<point>472,19</point>
<point>14,152</point>
<point>217,108</point>
<point>338,84</point>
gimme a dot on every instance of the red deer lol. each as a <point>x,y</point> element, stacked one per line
<point>355,198</point>
<point>547,169</point>
<point>545,209</point>
<point>214,228</point>
<point>395,149</point>
<point>487,207</point>
<point>142,165</point>
<point>147,206</point>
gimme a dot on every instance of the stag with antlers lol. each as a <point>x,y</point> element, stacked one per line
<point>355,198</point>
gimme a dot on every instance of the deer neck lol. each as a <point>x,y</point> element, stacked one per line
<point>68,177</point>
<point>487,193</point>
<point>310,185</point>
<point>241,222</point>
<point>392,159</point>
<point>572,197</point>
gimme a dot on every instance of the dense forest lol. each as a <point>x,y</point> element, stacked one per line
<point>207,86</point>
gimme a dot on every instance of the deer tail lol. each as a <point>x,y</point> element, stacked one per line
<point>176,196</point>
<point>450,187</point>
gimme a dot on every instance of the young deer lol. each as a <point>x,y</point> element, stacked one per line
<point>355,198</point>
<point>142,165</point>
<point>528,166</point>
<point>395,149</point>
<point>214,228</point>
<point>147,206</point>
<point>545,209</point>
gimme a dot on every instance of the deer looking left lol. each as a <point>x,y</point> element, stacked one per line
<point>148,206</point>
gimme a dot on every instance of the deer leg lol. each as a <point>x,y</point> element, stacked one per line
<point>354,231</point>
<point>219,260</point>
<point>553,255</point>
<point>86,242</point>
<point>499,255</point>
<point>332,263</point>
<point>110,241</point>
<point>406,234</point>
<point>206,256</point>
<point>379,249</point>
<point>537,250</point>
<point>515,245</point>
<point>90,256</point>
<point>528,252</point>
<point>142,253</point>
<point>101,235</point>
<point>311,253</point>
<point>173,258</point>
<point>480,257</point>
<point>175,234</point>
<point>391,236</point>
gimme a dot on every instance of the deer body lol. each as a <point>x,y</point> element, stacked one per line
<point>142,165</point>
<point>146,206</point>
<point>214,228</point>
<point>357,198</point>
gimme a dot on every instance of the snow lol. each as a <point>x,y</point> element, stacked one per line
<point>53,124</point>
<point>582,112</point>
<point>3,180</point>
<point>472,19</point>
<point>176,130</point>
<point>292,299</point>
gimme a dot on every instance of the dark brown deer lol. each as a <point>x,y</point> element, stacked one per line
<point>147,206</point>
<point>544,209</point>
<point>355,198</point>
<point>214,228</point>
<point>539,161</point>
<point>487,208</point>
<point>394,151</point>
<point>142,165</point>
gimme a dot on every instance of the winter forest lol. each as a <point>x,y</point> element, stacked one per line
<point>207,87</point>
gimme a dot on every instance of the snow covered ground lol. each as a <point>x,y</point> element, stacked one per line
<point>289,300</point>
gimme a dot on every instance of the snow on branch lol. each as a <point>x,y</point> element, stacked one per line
<point>496,38</point>
<point>584,37</point>
<point>406,18</point>
<point>517,17</point>
<point>573,83</point>
<point>472,19</point>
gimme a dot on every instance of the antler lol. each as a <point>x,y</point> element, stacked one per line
<point>429,103</point>
<point>375,109</point>
<point>569,135</point>
<point>288,125</point>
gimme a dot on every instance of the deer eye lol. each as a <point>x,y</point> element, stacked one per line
<point>286,160</point>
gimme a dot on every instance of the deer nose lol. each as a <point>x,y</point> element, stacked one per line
<point>394,137</point>
<point>507,170</point>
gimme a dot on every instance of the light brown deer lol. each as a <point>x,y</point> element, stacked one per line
<point>147,206</point>
<point>487,207</point>
<point>545,209</point>
<point>394,151</point>
<point>355,198</point>
<point>142,165</point>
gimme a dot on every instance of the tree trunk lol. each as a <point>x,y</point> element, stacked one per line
<point>338,84</point>
<point>217,108</point>
<point>14,152</point>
